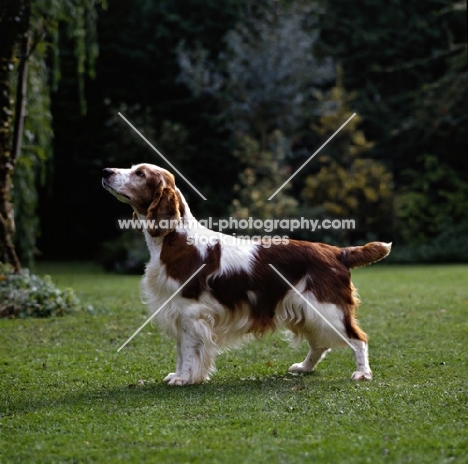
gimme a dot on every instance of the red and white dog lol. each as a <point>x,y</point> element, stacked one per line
<point>237,293</point>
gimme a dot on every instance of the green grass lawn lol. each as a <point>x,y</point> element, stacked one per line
<point>66,395</point>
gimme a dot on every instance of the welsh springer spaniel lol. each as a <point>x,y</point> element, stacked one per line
<point>237,292</point>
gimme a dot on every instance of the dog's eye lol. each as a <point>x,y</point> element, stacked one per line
<point>140,173</point>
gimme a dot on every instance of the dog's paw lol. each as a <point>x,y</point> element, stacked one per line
<point>299,367</point>
<point>178,380</point>
<point>169,377</point>
<point>361,375</point>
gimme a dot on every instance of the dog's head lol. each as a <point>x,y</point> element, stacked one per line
<point>150,191</point>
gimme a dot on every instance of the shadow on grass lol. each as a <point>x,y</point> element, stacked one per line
<point>239,391</point>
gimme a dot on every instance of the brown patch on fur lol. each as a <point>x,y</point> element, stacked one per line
<point>327,278</point>
<point>181,204</point>
<point>157,199</point>
<point>182,260</point>
<point>168,178</point>
<point>135,218</point>
<point>351,325</point>
<point>145,193</point>
<point>231,289</point>
<point>165,207</point>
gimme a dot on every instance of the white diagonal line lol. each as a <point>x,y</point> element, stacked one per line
<point>164,304</point>
<point>313,307</point>
<point>336,132</point>
<point>160,154</point>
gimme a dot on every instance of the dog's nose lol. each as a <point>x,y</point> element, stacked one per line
<point>107,172</point>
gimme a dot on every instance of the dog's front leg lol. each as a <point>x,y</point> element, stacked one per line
<point>179,363</point>
<point>196,350</point>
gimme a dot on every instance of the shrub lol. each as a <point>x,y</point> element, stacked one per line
<point>448,246</point>
<point>28,295</point>
<point>126,254</point>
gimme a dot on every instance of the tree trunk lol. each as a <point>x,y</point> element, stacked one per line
<point>14,19</point>
<point>21,91</point>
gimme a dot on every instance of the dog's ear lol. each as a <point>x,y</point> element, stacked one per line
<point>135,219</point>
<point>164,212</point>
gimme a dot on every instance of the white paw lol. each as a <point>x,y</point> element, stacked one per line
<point>179,380</point>
<point>300,367</point>
<point>169,377</point>
<point>361,375</point>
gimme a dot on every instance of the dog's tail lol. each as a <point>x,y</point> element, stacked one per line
<point>359,256</point>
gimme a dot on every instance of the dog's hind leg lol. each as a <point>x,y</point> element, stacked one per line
<point>363,370</point>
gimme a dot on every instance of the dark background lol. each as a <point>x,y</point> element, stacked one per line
<point>401,69</point>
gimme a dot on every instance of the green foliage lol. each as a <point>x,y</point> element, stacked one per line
<point>349,184</point>
<point>126,254</point>
<point>137,74</point>
<point>251,69</point>
<point>437,201</point>
<point>47,21</point>
<point>411,88</point>
<point>387,65</point>
<point>267,75</point>
<point>31,166</point>
<point>265,81</point>
<point>448,244</point>
<point>28,295</point>
<point>78,19</point>
<point>433,198</point>
<point>124,145</point>
<point>263,171</point>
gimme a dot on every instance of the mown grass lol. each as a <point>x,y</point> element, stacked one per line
<point>66,395</point>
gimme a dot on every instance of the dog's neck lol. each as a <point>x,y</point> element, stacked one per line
<point>188,223</point>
